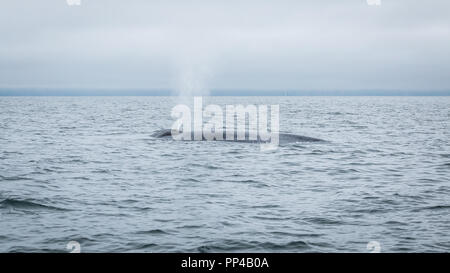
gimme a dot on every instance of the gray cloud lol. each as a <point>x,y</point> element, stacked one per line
<point>303,45</point>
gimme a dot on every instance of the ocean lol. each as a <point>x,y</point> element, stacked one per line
<point>87,169</point>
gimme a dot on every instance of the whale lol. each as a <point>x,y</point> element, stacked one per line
<point>284,138</point>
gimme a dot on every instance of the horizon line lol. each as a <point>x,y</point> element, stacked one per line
<point>54,91</point>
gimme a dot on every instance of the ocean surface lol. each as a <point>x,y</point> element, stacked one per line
<point>86,169</point>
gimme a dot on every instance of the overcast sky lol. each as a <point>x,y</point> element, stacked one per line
<point>232,44</point>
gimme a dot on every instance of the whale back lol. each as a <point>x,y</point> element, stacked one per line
<point>283,137</point>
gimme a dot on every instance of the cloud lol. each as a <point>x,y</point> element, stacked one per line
<point>260,45</point>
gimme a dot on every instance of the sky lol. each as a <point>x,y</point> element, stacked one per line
<point>194,46</point>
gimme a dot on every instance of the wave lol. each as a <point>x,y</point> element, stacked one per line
<point>153,232</point>
<point>242,246</point>
<point>437,207</point>
<point>25,205</point>
<point>14,178</point>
